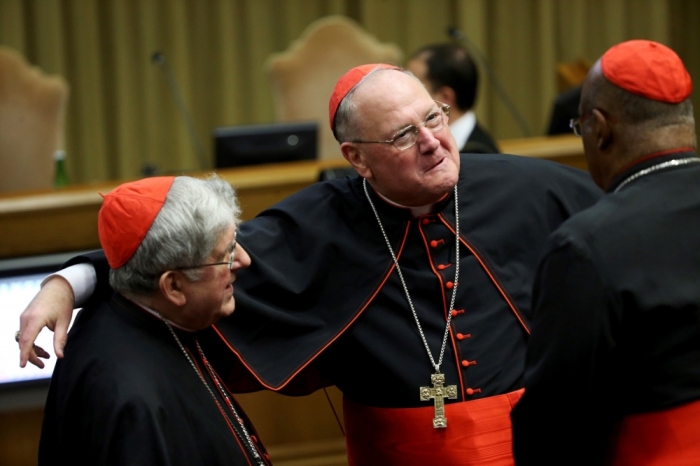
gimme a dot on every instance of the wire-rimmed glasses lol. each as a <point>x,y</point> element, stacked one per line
<point>406,138</point>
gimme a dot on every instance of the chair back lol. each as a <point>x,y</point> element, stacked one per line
<point>32,107</point>
<point>303,76</point>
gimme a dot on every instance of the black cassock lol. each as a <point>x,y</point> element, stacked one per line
<point>125,394</point>
<point>616,329</point>
<point>322,295</point>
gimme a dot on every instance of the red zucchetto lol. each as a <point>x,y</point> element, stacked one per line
<point>347,82</point>
<point>647,69</point>
<point>127,214</point>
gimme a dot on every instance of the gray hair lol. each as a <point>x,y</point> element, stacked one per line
<point>347,127</point>
<point>185,233</point>
<point>637,110</point>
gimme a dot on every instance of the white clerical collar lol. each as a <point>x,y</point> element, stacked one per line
<point>415,211</point>
<point>462,128</point>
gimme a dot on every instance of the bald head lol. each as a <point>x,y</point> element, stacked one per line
<point>347,122</point>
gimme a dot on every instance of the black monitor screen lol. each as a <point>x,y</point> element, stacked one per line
<point>237,146</point>
<point>20,280</point>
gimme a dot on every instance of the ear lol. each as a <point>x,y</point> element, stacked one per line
<point>602,130</point>
<point>354,155</point>
<point>171,287</point>
<point>447,95</point>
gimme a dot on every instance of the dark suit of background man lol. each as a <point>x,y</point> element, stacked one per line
<point>613,365</point>
<point>451,76</point>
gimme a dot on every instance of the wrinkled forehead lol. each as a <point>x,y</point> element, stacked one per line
<point>386,93</point>
<point>390,85</point>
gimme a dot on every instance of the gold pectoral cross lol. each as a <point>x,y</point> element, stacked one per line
<point>438,392</point>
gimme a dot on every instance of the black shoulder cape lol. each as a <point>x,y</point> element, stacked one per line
<point>319,259</point>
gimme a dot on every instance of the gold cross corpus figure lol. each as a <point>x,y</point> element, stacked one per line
<point>438,392</point>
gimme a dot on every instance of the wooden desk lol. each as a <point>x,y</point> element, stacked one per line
<point>46,222</point>
<point>566,149</point>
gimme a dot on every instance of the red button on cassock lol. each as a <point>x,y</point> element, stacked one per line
<point>470,391</point>
<point>433,244</point>
<point>465,363</point>
<point>449,285</point>
<point>425,221</point>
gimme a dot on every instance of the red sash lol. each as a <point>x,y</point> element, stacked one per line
<point>478,432</point>
<point>663,438</point>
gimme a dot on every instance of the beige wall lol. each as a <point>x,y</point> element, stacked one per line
<point>121,116</point>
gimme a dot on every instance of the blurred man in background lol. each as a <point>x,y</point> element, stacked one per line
<point>451,76</point>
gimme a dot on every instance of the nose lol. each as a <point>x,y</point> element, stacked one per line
<point>427,142</point>
<point>241,259</point>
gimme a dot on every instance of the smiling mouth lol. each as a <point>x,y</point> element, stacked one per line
<point>437,164</point>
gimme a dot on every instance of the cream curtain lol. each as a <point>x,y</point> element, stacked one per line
<point>122,118</point>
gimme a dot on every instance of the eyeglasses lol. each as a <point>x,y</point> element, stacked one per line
<point>407,137</point>
<point>229,262</point>
<point>575,123</point>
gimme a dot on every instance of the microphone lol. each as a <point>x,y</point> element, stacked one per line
<point>158,59</point>
<point>455,34</point>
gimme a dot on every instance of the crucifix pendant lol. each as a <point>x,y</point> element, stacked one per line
<point>438,392</point>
